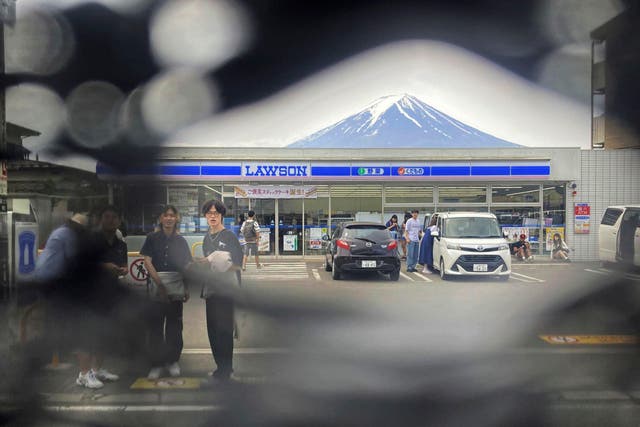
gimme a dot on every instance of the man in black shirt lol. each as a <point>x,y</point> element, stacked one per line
<point>224,255</point>
<point>166,257</point>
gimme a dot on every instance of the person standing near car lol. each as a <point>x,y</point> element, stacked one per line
<point>425,257</point>
<point>393,226</point>
<point>412,232</point>
<point>403,241</point>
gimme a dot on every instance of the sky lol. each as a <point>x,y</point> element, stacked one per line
<point>457,82</point>
<point>549,110</point>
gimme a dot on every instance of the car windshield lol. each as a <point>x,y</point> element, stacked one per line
<point>367,233</point>
<point>468,227</point>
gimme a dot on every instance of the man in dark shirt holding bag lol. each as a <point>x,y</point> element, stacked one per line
<point>166,257</point>
<point>223,260</point>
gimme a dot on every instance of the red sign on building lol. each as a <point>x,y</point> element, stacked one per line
<point>581,209</point>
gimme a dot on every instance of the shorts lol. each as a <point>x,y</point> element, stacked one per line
<point>251,248</point>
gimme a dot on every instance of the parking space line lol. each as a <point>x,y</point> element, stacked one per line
<point>406,276</point>
<point>596,271</point>
<point>533,279</point>
<point>423,277</point>
<point>132,408</point>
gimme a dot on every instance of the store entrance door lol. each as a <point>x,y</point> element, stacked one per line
<point>265,210</point>
<point>281,225</point>
<point>290,226</point>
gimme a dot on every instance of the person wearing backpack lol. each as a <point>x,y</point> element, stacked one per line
<point>250,230</point>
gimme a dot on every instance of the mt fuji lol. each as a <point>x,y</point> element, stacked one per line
<point>400,121</point>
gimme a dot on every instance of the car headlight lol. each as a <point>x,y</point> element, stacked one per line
<point>503,247</point>
<point>453,246</point>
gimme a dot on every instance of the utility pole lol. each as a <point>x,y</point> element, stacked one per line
<point>7,16</point>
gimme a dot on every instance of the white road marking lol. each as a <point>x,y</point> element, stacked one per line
<point>596,271</point>
<point>406,276</point>
<point>425,278</point>
<point>533,279</point>
<point>316,274</point>
<point>132,408</point>
<point>519,279</point>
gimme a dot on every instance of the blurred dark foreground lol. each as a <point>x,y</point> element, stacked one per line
<point>364,365</point>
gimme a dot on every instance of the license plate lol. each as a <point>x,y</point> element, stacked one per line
<point>480,267</point>
<point>368,264</point>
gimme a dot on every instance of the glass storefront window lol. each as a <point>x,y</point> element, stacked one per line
<point>356,202</point>
<point>445,208</point>
<point>515,194</point>
<point>408,195</point>
<point>462,194</point>
<point>316,217</point>
<point>520,220</point>
<point>553,207</point>
<point>290,226</point>
<point>142,205</point>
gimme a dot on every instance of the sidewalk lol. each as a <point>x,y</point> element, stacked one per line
<point>56,388</point>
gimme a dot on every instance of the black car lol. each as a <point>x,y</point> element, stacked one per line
<point>362,246</point>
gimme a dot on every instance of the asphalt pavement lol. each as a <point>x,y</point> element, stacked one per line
<point>573,327</point>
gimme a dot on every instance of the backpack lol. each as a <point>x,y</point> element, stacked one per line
<point>249,231</point>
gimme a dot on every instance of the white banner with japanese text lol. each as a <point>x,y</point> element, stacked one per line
<point>275,192</point>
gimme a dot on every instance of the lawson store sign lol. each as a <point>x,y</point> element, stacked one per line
<point>319,171</point>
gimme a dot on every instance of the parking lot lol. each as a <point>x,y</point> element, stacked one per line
<point>312,272</point>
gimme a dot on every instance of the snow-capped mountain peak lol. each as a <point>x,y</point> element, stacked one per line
<point>400,121</point>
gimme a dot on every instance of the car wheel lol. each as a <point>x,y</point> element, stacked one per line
<point>394,275</point>
<point>443,275</point>
<point>327,266</point>
<point>335,273</point>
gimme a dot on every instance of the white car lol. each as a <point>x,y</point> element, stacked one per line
<point>620,235</point>
<point>470,243</point>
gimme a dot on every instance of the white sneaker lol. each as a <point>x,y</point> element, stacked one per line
<point>104,375</point>
<point>89,380</point>
<point>426,271</point>
<point>155,373</point>
<point>174,369</point>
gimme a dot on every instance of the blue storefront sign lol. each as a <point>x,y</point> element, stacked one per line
<point>321,171</point>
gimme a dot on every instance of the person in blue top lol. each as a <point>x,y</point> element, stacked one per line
<point>425,258</point>
<point>393,227</point>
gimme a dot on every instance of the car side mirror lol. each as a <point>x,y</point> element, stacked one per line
<point>435,233</point>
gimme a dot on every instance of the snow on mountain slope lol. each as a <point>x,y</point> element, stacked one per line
<point>400,121</point>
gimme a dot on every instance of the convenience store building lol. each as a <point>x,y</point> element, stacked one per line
<point>299,195</point>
